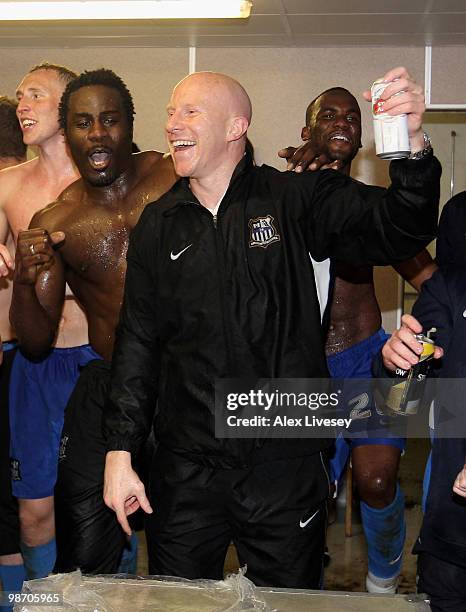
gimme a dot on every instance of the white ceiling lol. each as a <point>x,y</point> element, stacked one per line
<point>273,23</point>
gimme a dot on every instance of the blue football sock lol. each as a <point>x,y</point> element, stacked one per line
<point>385,531</point>
<point>129,558</point>
<point>12,577</point>
<point>39,560</point>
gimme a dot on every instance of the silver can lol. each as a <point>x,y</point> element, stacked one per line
<point>390,133</point>
<point>406,394</point>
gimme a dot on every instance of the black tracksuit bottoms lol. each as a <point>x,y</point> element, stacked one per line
<point>275,513</point>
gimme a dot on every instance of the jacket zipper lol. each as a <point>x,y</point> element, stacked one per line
<point>221,275</point>
<point>238,453</point>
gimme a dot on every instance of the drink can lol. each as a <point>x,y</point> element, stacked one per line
<point>390,132</point>
<point>407,392</point>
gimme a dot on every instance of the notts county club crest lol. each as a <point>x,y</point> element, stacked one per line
<point>263,232</point>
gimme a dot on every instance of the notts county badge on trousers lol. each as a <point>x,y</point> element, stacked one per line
<point>390,133</point>
<point>406,394</point>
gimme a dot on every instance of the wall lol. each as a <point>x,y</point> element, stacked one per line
<point>149,74</point>
<point>280,82</point>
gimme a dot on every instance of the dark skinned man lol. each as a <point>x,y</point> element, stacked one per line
<point>91,221</point>
<point>333,125</point>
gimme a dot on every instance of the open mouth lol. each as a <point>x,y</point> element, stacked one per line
<point>182,145</point>
<point>339,137</point>
<point>99,159</point>
<point>27,124</point>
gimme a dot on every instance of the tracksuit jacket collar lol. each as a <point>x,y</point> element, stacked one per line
<point>184,196</point>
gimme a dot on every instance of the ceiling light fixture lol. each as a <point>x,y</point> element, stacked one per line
<point>25,10</point>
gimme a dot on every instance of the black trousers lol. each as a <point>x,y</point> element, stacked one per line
<point>275,513</point>
<point>444,582</point>
<point>87,533</point>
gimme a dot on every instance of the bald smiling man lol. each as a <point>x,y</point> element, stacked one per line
<point>219,285</point>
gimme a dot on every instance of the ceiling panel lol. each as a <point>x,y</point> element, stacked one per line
<point>369,6</point>
<point>374,40</point>
<point>238,41</point>
<point>282,23</point>
<point>267,7</point>
<point>263,24</point>
<point>374,24</point>
<point>449,40</point>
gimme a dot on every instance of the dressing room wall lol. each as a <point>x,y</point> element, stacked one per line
<point>280,81</point>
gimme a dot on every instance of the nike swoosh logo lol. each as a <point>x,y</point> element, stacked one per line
<point>395,560</point>
<point>174,256</point>
<point>303,524</point>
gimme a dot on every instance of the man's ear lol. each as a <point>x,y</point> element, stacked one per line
<point>238,128</point>
<point>306,133</point>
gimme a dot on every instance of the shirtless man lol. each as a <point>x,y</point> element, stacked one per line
<point>36,408</point>
<point>91,220</point>
<point>333,124</point>
<point>12,152</point>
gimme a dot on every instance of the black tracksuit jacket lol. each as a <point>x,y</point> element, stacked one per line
<point>235,296</point>
<point>442,304</point>
<point>451,241</point>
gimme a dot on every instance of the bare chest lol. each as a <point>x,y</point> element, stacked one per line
<point>27,199</point>
<point>95,247</point>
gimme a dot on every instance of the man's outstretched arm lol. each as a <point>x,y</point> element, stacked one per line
<point>366,225</point>
<point>417,270</point>
<point>132,398</point>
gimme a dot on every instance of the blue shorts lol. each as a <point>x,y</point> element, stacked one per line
<point>39,393</point>
<point>9,521</point>
<point>356,362</point>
